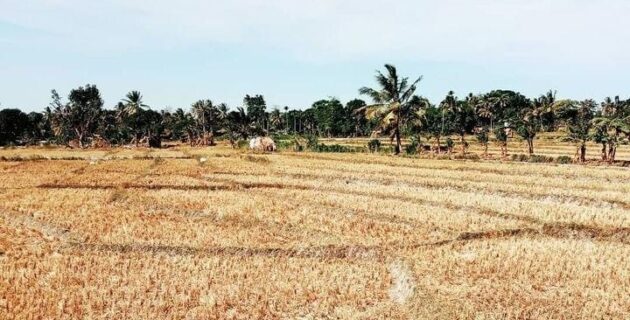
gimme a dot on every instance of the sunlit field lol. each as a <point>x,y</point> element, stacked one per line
<point>548,144</point>
<point>206,233</point>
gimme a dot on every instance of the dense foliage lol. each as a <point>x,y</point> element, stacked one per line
<point>395,110</point>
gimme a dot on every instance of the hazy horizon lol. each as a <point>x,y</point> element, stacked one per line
<point>295,53</point>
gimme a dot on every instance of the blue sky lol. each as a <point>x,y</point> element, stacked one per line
<point>295,52</point>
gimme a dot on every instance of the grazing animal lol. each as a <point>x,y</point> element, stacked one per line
<point>262,144</point>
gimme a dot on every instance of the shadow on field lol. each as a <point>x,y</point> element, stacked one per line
<point>353,252</point>
<point>316,252</point>
<point>229,186</point>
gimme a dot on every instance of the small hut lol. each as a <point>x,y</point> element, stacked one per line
<point>263,144</point>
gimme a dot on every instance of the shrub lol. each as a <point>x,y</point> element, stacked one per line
<point>333,148</point>
<point>257,159</point>
<point>283,144</point>
<point>470,156</point>
<point>312,142</point>
<point>297,143</point>
<point>535,158</point>
<point>412,148</point>
<point>540,159</point>
<point>449,144</point>
<point>374,145</point>
<point>520,157</point>
<point>564,160</point>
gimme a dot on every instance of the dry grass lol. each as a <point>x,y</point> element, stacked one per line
<point>216,233</point>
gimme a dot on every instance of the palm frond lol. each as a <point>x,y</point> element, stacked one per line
<point>410,91</point>
<point>375,95</point>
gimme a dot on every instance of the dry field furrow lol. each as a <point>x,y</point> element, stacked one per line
<point>215,233</point>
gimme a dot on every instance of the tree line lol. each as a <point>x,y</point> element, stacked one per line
<point>393,109</point>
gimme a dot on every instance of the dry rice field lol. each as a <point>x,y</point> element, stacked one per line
<point>547,144</point>
<point>216,233</point>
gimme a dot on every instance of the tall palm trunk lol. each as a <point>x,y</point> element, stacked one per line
<point>438,147</point>
<point>398,141</point>
<point>504,150</point>
<point>397,135</point>
<point>530,146</point>
<point>612,147</point>
<point>612,150</point>
<point>211,136</point>
<point>582,152</point>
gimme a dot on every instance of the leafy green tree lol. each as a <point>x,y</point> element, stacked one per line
<point>255,107</point>
<point>413,117</point>
<point>110,127</point>
<point>153,127</point>
<point>500,106</point>
<point>207,116</point>
<point>463,121</point>
<point>275,120</point>
<point>294,121</point>
<point>181,125</point>
<point>38,127</point>
<point>355,122</point>
<point>501,136</point>
<point>529,123</point>
<point>131,114</point>
<point>447,109</point>
<point>329,116</point>
<point>394,95</point>
<point>612,125</point>
<point>13,126</point>
<point>79,117</point>
<point>239,125</point>
<point>309,121</point>
<point>431,125</point>
<point>578,117</point>
<point>547,113</point>
<point>482,137</point>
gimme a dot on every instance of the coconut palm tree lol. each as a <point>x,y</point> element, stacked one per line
<point>182,124</point>
<point>390,101</point>
<point>491,106</point>
<point>546,109</point>
<point>529,122</point>
<point>275,119</point>
<point>239,125</point>
<point>579,120</point>
<point>448,105</point>
<point>463,120</point>
<point>609,130</point>
<point>130,109</point>
<point>133,102</point>
<point>204,113</point>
